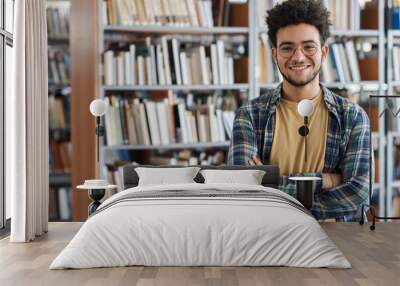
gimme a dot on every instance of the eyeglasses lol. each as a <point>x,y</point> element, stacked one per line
<point>287,51</point>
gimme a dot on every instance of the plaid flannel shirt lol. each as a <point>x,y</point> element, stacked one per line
<point>347,150</point>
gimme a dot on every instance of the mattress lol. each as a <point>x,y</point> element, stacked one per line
<point>201,225</point>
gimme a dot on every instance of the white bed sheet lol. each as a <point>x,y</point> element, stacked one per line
<point>200,231</point>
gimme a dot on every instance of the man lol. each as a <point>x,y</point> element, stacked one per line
<point>266,130</point>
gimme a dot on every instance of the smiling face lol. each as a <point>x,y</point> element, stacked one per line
<point>299,54</point>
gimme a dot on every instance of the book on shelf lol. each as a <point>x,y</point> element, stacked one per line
<point>59,111</point>
<point>267,71</point>
<point>396,158</point>
<point>168,62</point>
<point>57,16</point>
<point>53,205</point>
<point>345,14</point>
<point>370,14</point>
<point>63,203</point>
<point>60,157</point>
<point>179,13</point>
<point>59,66</point>
<point>60,204</point>
<point>396,63</point>
<point>114,173</point>
<point>375,146</point>
<point>342,63</point>
<point>168,121</point>
<point>394,13</point>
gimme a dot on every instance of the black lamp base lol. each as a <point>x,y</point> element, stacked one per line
<point>305,193</point>
<point>374,216</point>
<point>96,195</point>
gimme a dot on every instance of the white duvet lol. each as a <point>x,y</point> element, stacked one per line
<point>183,231</point>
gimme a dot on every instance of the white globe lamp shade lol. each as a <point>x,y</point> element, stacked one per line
<point>305,107</point>
<point>98,107</point>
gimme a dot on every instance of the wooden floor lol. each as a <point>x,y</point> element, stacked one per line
<point>374,255</point>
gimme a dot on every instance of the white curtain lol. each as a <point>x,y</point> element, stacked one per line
<point>27,168</point>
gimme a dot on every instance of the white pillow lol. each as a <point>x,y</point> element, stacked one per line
<point>163,176</point>
<point>249,177</point>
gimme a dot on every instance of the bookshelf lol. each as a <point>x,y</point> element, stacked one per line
<point>393,84</point>
<point>59,110</point>
<point>188,37</point>
<point>255,32</point>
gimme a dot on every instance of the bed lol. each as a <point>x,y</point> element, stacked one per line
<point>201,224</point>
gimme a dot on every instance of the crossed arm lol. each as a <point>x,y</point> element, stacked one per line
<point>244,148</point>
<point>329,180</point>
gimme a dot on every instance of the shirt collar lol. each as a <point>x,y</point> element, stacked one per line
<point>328,99</point>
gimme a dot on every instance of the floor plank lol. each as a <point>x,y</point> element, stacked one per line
<point>374,255</point>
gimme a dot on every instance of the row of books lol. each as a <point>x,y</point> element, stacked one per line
<point>162,65</point>
<point>131,121</point>
<point>59,112</point>
<point>59,66</point>
<point>114,171</point>
<point>59,157</point>
<point>195,13</point>
<point>345,14</point>
<point>267,71</point>
<point>342,63</point>
<point>60,204</point>
<point>189,158</point>
<point>57,15</point>
<point>166,63</point>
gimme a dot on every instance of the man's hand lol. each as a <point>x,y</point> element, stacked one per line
<point>255,160</point>
<point>331,180</point>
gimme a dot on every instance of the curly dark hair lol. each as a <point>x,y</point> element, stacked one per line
<point>292,12</point>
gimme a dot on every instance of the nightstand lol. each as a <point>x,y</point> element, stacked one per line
<point>96,191</point>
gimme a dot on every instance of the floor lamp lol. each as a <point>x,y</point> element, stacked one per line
<point>98,108</point>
